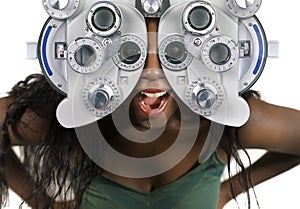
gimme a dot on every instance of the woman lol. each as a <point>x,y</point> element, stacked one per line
<point>54,162</point>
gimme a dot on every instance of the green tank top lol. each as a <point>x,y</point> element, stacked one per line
<point>197,189</point>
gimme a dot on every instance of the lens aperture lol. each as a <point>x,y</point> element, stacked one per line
<point>104,18</point>
<point>175,52</point>
<point>85,56</point>
<point>129,52</point>
<point>220,54</point>
<point>199,18</point>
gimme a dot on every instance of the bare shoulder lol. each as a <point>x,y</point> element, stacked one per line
<point>270,127</point>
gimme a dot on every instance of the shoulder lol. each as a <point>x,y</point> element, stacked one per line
<point>269,125</point>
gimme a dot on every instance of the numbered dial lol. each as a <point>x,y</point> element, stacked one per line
<point>101,96</point>
<point>131,54</point>
<point>205,96</point>
<point>85,55</point>
<point>220,53</point>
<point>243,8</point>
<point>104,19</point>
<point>199,17</point>
<point>173,54</point>
<point>61,9</point>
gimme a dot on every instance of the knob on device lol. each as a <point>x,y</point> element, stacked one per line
<point>59,4</point>
<point>61,9</point>
<point>204,96</point>
<point>101,96</point>
<point>243,8</point>
<point>151,6</point>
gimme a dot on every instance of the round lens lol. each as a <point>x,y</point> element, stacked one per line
<point>175,52</point>
<point>85,56</point>
<point>129,52</point>
<point>99,99</point>
<point>220,54</point>
<point>103,19</point>
<point>199,18</point>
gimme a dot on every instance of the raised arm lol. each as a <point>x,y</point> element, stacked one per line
<point>275,129</point>
<point>21,182</point>
<point>31,130</point>
<point>25,119</point>
<point>268,166</point>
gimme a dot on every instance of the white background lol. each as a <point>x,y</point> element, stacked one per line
<point>21,21</point>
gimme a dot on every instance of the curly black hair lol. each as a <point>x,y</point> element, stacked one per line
<point>58,164</point>
<point>52,162</point>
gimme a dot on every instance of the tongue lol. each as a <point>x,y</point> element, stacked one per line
<point>152,100</point>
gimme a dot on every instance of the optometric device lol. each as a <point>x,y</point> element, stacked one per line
<point>94,52</point>
<point>217,52</point>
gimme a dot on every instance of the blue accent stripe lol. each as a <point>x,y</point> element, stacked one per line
<point>44,51</point>
<point>261,47</point>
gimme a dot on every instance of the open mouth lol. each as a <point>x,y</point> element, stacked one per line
<point>153,101</point>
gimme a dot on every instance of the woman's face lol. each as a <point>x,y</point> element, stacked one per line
<point>154,101</point>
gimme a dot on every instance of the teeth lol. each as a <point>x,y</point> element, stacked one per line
<point>157,94</point>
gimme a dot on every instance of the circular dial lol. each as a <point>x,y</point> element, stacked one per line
<point>101,96</point>
<point>85,55</point>
<point>243,8</point>
<point>220,53</point>
<point>151,6</point>
<point>61,9</point>
<point>59,4</point>
<point>104,19</point>
<point>131,54</point>
<point>199,18</point>
<point>204,96</point>
<point>173,54</point>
